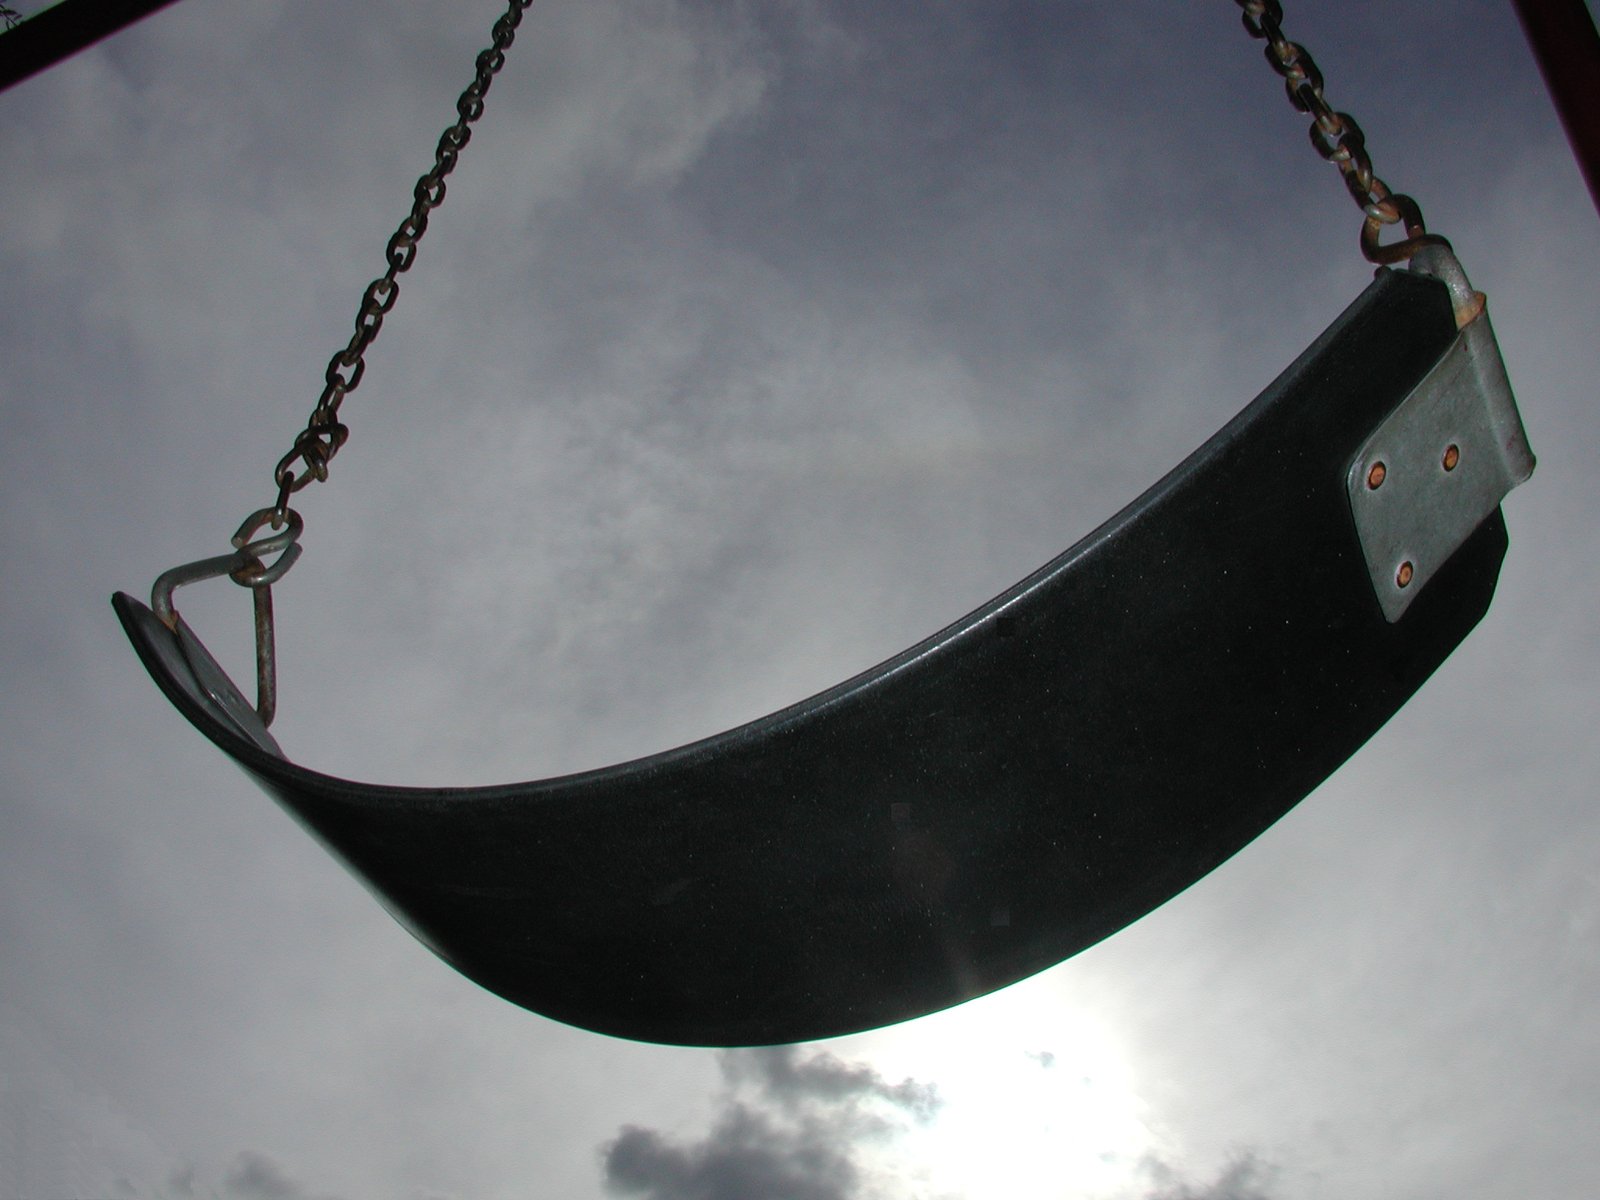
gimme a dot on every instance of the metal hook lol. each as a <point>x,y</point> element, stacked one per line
<point>245,566</point>
<point>1440,262</point>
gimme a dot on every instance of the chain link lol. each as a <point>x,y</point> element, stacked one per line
<point>1339,140</point>
<point>315,445</point>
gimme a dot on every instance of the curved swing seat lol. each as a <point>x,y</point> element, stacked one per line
<point>993,800</point>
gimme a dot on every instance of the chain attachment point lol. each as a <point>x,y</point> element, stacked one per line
<point>314,447</point>
<point>324,434</point>
<point>247,567</point>
<point>1339,140</point>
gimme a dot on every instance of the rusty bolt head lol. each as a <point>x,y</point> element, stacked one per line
<point>1376,475</point>
<point>1452,455</point>
<point>1404,574</point>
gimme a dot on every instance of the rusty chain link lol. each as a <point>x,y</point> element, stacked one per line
<point>320,440</point>
<point>1339,140</point>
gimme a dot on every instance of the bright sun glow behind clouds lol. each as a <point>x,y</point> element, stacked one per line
<point>1037,1098</point>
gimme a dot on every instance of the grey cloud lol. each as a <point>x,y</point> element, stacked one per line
<point>181,1181</point>
<point>745,1155</point>
<point>254,1176</point>
<point>800,1136</point>
<point>1245,1177</point>
<point>795,1126</point>
<point>249,1175</point>
<point>784,1076</point>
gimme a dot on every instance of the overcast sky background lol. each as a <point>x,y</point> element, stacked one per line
<point>753,343</point>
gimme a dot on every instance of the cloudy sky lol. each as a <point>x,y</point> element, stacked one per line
<point>753,343</point>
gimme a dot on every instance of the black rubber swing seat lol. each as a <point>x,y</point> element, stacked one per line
<point>993,800</point>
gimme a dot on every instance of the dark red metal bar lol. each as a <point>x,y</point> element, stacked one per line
<point>59,32</point>
<point>1567,46</point>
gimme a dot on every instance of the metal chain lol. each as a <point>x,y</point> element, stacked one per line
<point>1335,135</point>
<point>315,445</point>
<point>1339,140</point>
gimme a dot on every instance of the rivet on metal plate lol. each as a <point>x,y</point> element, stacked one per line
<point>1421,514</point>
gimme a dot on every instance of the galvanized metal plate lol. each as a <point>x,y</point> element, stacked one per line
<point>1436,467</point>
